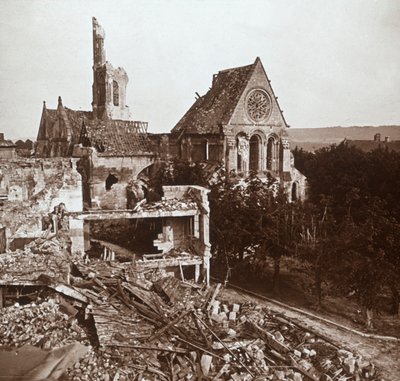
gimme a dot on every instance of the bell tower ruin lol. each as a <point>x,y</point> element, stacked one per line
<point>109,84</point>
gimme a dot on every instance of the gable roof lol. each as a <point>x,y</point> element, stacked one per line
<point>116,137</point>
<point>215,108</point>
<point>72,120</point>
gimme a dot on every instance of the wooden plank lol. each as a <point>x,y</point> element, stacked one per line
<point>267,337</point>
<point>1,297</point>
<point>169,325</point>
<point>68,291</point>
<point>149,298</point>
<point>160,349</point>
<point>169,262</point>
<point>129,214</point>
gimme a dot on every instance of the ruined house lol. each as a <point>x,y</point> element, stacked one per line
<point>30,189</point>
<point>113,149</point>
<point>375,143</point>
<point>238,123</point>
<point>112,153</point>
<point>60,129</point>
<point>181,236</point>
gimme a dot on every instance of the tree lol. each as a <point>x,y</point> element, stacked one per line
<point>251,216</point>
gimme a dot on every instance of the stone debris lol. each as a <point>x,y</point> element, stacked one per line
<point>41,324</point>
<point>148,325</point>
<point>40,258</point>
<point>167,205</point>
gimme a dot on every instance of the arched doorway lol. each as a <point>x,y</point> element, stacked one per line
<point>255,143</point>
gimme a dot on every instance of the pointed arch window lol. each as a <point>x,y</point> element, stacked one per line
<point>255,148</point>
<point>270,153</point>
<point>115,93</point>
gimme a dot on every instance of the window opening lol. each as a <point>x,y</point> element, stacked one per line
<point>254,153</point>
<point>110,181</point>
<point>294,192</point>
<point>115,93</point>
<point>270,152</point>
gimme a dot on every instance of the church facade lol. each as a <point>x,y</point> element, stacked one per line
<point>239,123</point>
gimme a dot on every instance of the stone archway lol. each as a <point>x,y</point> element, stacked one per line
<point>255,153</point>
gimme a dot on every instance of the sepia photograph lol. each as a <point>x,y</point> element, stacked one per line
<point>200,190</point>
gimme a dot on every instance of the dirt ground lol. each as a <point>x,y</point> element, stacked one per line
<point>293,291</point>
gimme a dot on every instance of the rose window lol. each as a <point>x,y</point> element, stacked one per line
<point>258,105</point>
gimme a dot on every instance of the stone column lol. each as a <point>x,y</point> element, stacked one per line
<point>231,157</point>
<point>204,221</point>
<point>86,235</point>
<point>76,231</point>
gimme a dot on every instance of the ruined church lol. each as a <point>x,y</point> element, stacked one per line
<point>238,123</point>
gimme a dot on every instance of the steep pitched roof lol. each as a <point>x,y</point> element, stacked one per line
<point>75,120</point>
<point>116,137</point>
<point>72,120</point>
<point>216,107</point>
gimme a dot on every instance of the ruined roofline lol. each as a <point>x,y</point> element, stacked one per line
<point>98,30</point>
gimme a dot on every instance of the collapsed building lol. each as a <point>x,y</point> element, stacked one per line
<point>97,163</point>
<point>110,320</point>
<point>141,314</point>
<point>103,159</point>
<point>32,190</point>
<point>238,123</point>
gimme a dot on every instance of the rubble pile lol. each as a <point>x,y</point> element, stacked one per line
<point>173,330</point>
<point>41,324</point>
<point>167,205</point>
<point>44,324</point>
<point>142,324</point>
<point>42,257</point>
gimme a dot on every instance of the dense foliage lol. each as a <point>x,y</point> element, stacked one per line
<point>359,192</point>
<point>347,232</point>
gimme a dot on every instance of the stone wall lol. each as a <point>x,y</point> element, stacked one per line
<point>99,194</point>
<point>31,188</point>
<point>7,153</point>
<point>239,117</point>
<point>301,185</point>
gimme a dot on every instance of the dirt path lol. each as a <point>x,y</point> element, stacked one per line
<point>384,354</point>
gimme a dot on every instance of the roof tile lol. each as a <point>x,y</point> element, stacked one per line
<point>215,108</point>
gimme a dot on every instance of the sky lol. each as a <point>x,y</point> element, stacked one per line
<point>330,63</point>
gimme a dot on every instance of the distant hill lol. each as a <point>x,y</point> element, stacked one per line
<point>311,139</point>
